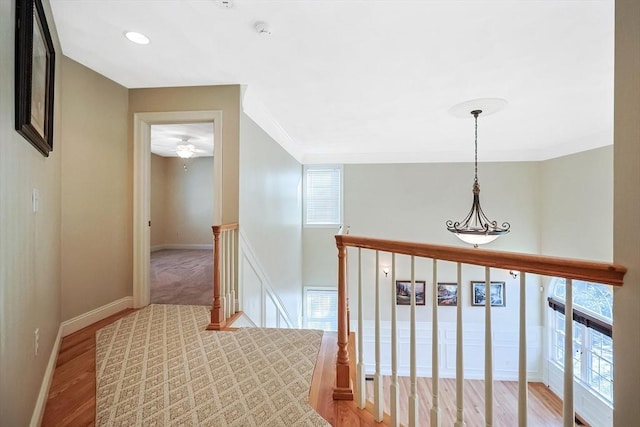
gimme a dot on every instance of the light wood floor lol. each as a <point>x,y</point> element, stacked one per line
<point>72,397</point>
<point>545,408</point>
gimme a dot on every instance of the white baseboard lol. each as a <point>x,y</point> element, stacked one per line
<point>73,325</point>
<point>242,322</point>
<point>38,411</point>
<point>180,246</point>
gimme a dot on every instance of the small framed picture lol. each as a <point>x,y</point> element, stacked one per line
<point>403,292</point>
<point>448,294</point>
<point>478,294</point>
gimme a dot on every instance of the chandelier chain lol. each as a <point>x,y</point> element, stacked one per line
<point>476,147</point>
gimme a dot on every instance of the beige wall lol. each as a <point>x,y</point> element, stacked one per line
<point>626,238</point>
<point>30,242</point>
<point>96,191</point>
<point>577,194</point>
<point>224,98</point>
<point>181,201</point>
<point>270,214</point>
<point>158,174</point>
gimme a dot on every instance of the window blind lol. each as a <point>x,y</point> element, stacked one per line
<point>321,309</point>
<point>323,190</point>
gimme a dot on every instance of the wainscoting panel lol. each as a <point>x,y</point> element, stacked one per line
<point>250,291</point>
<point>256,296</point>
<point>270,313</point>
<point>594,410</point>
<point>505,350</point>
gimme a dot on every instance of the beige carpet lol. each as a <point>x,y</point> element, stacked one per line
<point>182,276</point>
<point>159,367</point>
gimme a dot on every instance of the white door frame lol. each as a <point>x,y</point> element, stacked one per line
<point>142,187</point>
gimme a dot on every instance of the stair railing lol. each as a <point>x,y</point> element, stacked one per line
<point>570,269</point>
<point>225,275</point>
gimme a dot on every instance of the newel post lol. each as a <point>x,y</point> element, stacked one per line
<point>217,312</point>
<point>343,389</point>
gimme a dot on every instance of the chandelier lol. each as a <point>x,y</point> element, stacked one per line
<point>476,228</point>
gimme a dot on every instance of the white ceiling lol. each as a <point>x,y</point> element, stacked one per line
<point>166,138</point>
<point>373,81</point>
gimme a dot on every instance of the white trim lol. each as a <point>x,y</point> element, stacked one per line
<point>141,186</point>
<point>242,321</point>
<point>252,107</point>
<point>82,321</point>
<point>180,246</point>
<point>247,254</point>
<point>38,411</point>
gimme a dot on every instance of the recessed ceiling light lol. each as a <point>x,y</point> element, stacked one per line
<point>137,37</point>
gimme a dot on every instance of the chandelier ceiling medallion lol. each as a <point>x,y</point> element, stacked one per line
<point>476,228</point>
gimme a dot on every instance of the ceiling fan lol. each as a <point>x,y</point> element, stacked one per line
<point>186,150</point>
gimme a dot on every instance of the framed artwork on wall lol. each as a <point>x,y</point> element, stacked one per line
<point>448,294</point>
<point>403,292</point>
<point>34,79</point>
<point>497,294</point>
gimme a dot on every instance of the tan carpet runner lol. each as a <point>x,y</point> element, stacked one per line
<point>159,367</point>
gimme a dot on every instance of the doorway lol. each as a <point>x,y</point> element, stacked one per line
<point>142,187</point>
<point>181,260</point>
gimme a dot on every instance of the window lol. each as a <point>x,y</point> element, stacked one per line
<point>592,342</point>
<point>321,308</point>
<point>323,195</point>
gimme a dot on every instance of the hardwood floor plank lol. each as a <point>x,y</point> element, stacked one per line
<point>72,394</point>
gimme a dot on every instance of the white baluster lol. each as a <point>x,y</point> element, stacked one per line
<point>488,351</point>
<point>234,272</point>
<point>229,274</point>
<point>568,412</point>
<point>523,397</point>
<point>459,356</point>
<point>360,376</point>
<point>435,374</point>
<point>394,389</point>
<point>378,396</point>
<point>413,396</point>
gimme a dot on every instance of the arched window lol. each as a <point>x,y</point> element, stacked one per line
<point>592,327</point>
<point>593,298</point>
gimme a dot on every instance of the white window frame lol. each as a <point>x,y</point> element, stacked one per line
<point>581,346</point>
<point>340,197</point>
<point>305,308</point>
<point>581,354</point>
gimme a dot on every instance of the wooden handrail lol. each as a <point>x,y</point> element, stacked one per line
<point>224,227</point>
<point>598,272</point>
<point>591,271</point>
<point>218,316</point>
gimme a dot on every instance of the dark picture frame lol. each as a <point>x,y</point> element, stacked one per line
<point>34,76</point>
<point>447,294</point>
<point>403,292</point>
<point>498,294</point>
